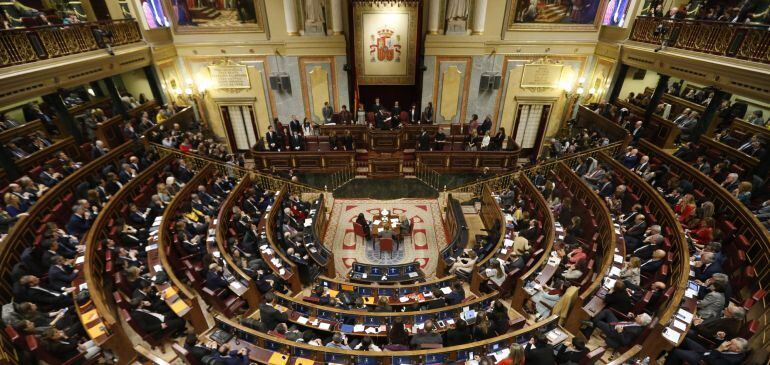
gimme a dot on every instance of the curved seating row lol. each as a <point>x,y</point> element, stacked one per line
<point>275,258</point>
<point>676,269</point>
<point>370,293</point>
<point>264,347</point>
<point>174,259</point>
<point>304,314</point>
<point>457,234</point>
<point>538,209</point>
<point>599,235</point>
<point>99,267</point>
<point>750,241</point>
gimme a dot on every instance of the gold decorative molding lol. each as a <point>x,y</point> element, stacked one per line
<point>319,91</point>
<point>450,92</point>
<point>306,90</point>
<point>466,85</point>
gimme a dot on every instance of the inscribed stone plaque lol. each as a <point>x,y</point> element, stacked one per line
<point>230,77</point>
<point>541,75</point>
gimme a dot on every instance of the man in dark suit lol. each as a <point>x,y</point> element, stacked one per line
<point>155,323</point>
<point>720,329</point>
<point>270,316</point>
<point>183,173</point>
<point>273,142</point>
<point>605,188</point>
<point>295,125</point>
<point>49,177</point>
<point>456,296</point>
<point>376,107</point>
<point>79,222</point>
<point>215,279</point>
<point>296,141</point>
<point>706,266</point>
<point>636,229</point>
<point>652,265</point>
<point>98,150</point>
<point>414,114</point>
<point>146,292</point>
<point>620,334</point>
<point>328,112</point>
<point>30,290</point>
<point>731,352</point>
<point>345,115</point>
<point>60,274</point>
<point>197,349</point>
<point>538,351</point>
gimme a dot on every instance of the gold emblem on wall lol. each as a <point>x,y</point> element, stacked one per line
<point>319,89</point>
<point>450,92</point>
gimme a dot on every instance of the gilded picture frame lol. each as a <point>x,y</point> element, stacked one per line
<point>512,8</point>
<point>176,14</point>
<point>367,46</point>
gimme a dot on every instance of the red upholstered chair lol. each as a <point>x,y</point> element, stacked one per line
<point>358,231</point>
<point>386,244</point>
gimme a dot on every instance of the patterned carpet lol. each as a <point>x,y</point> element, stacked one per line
<point>425,215</point>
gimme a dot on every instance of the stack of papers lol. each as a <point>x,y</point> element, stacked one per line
<point>359,328</point>
<point>324,326</point>
<point>302,320</point>
<point>446,290</point>
<point>684,315</point>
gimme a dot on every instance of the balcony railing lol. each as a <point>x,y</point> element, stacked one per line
<point>743,41</point>
<point>25,45</point>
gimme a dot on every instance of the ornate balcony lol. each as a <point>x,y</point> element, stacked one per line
<point>743,41</point>
<point>25,45</point>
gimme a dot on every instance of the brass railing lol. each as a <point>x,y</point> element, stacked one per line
<point>24,45</point>
<point>340,177</point>
<point>266,181</point>
<point>428,175</point>
<point>500,182</point>
<point>744,41</point>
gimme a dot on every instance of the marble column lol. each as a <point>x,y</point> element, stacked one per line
<point>336,17</point>
<point>290,12</point>
<point>479,16</point>
<point>433,16</point>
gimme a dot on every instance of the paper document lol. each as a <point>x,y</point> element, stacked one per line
<point>671,335</point>
<point>324,326</point>
<point>680,325</point>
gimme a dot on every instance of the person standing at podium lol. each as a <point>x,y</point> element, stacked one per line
<point>376,107</point>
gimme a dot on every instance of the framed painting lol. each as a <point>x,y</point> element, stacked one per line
<point>217,16</point>
<point>386,39</point>
<point>555,15</point>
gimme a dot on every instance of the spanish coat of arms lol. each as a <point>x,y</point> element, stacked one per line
<point>384,47</point>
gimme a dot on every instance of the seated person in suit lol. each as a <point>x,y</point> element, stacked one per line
<point>539,350</point>
<point>620,334</point>
<point>215,279</point>
<point>652,265</point>
<point>154,323</point>
<point>719,329</point>
<point>58,344</point>
<point>571,353</point>
<point>270,316</point>
<point>731,352</point>
<point>428,336</point>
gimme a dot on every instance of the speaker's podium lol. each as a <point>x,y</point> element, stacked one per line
<point>385,141</point>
